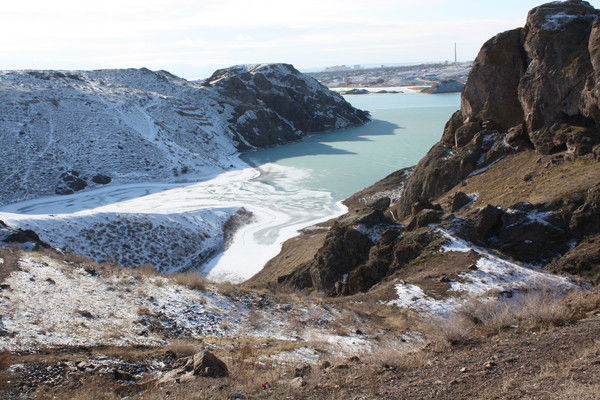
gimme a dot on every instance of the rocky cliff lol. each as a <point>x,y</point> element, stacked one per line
<point>514,178</point>
<point>65,131</point>
<point>529,88</point>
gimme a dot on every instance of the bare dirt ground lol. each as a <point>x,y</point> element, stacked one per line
<point>554,363</point>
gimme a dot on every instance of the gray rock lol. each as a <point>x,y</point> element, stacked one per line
<point>446,86</point>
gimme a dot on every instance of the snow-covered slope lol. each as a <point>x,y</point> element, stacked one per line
<point>47,302</point>
<point>169,242</point>
<point>64,131</point>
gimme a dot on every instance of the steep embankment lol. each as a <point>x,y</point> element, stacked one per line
<point>513,183</point>
<point>65,131</point>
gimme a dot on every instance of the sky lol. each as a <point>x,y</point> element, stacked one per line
<point>192,38</point>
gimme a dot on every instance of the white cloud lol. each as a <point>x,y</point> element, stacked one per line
<point>243,38</point>
<point>191,37</point>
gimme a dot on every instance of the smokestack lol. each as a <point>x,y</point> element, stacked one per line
<point>455,54</point>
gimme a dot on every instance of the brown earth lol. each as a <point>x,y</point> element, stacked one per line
<point>556,363</point>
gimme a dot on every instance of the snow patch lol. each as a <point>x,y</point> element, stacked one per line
<point>557,21</point>
<point>491,273</point>
<point>49,306</point>
<point>413,297</point>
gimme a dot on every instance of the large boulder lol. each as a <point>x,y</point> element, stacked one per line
<point>586,219</point>
<point>556,42</point>
<point>203,364</point>
<point>491,90</point>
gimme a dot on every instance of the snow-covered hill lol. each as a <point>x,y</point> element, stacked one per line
<point>65,131</point>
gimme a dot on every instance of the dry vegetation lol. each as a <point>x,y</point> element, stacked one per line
<point>529,311</point>
<point>190,280</point>
<point>387,372</point>
<point>547,184</point>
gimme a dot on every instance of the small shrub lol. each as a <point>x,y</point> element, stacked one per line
<point>530,310</point>
<point>391,355</point>
<point>146,270</point>
<point>144,311</point>
<point>183,348</point>
<point>190,280</point>
<point>451,331</point>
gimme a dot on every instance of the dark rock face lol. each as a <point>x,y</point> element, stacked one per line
<point>491,90</point>
<point>344,249</point>
<point>388,255</point>
<point>537,86</point>
<point>22,238</point>
<point>70,182</point>
<point>524,231</point>
<point>583,260</point>
<point>279,104</point>
<point>444,166</point>
<point>101,179</point>
<point>586,219</point>
<point>425,217</point>
<point>459,200</point>
<point>556,41</point>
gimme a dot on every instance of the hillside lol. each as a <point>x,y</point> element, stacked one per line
<point>66,131</point>
<point>512,186</point>
<point>473,275</point>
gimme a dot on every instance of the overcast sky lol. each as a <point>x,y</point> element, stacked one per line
<point>191,38</point>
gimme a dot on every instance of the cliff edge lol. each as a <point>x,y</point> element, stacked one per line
<point>515,179</point>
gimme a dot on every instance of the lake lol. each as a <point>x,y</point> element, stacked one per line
<point>288,187</point>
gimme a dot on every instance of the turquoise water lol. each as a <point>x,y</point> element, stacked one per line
<point>402,130</point>
<point>294,185</point>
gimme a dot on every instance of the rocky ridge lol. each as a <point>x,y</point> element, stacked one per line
<point>513,181</point>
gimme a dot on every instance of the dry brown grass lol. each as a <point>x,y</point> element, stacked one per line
<point>391,356</point>
<point>450,331</point>
<point>147,270</point>
<point>230,290</point>
<point>184,348</point>
<point>532,310</point>
<point>191,280</point>
<point>528,311</point>
<point>548,184</point>
<point>579,391</point>
<point>11,262</point>
<point>144,311</point>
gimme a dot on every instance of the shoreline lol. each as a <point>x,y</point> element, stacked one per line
<point>167,201</point>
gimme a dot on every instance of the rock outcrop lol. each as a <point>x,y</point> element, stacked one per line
<point>534,86</point>
<point>533,97</point>
<point>23,238</point>
<point>445,86</point>
<point>63,132</point>
<point>204,364</point>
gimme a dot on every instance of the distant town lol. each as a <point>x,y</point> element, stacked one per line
<point>384,76</point>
